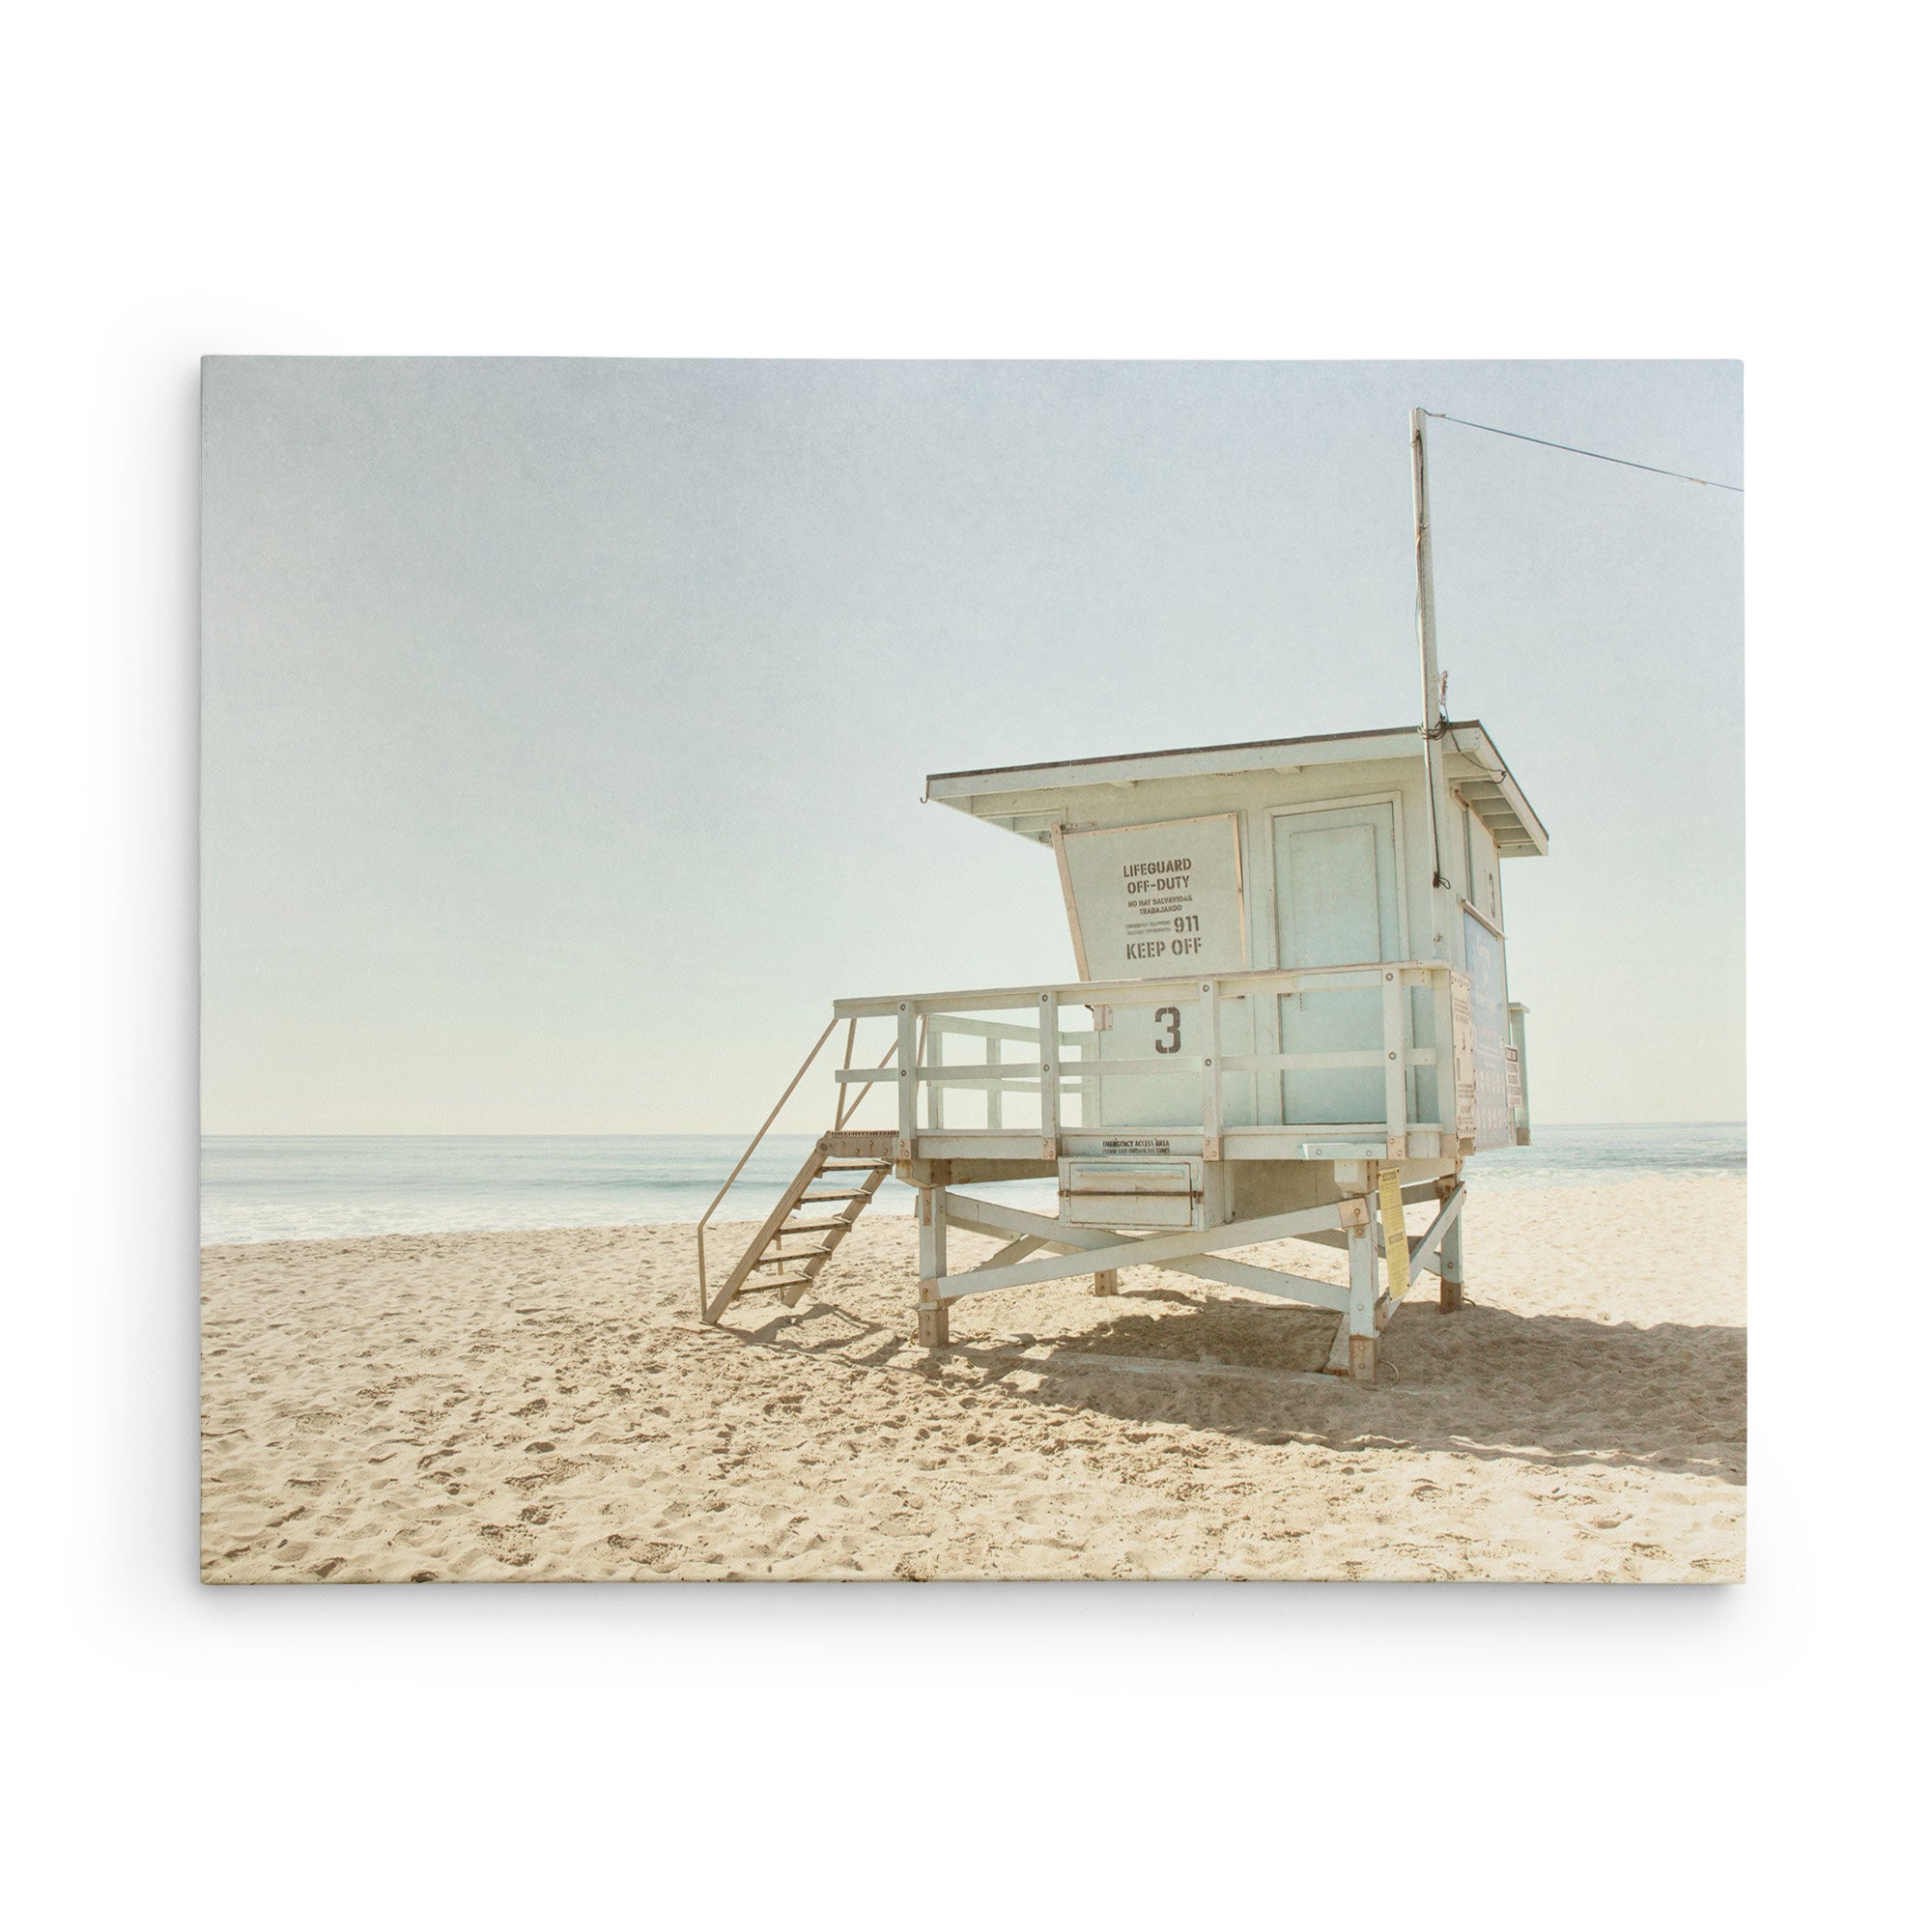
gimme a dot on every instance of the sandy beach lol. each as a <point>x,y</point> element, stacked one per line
<point>543,1407</point>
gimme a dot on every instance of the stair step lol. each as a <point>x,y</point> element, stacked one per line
<point>812,1228</point>
<point>851,1194</point>
<point>795,1255</point>
<point>766,1282</point>
<point>853,1166</point>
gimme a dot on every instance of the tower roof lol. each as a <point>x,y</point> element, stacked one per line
<point>1471,763</point>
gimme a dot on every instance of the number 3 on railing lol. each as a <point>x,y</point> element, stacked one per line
<point>1172,1016</point>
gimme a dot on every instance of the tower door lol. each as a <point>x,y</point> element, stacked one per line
<point>1336,904</point>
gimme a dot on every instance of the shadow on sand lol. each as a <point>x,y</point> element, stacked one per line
<point>1558,1391</point>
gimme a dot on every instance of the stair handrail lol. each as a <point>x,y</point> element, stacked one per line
<point>731,1179</point>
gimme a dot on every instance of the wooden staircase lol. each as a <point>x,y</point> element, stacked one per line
<point>772,1267</point>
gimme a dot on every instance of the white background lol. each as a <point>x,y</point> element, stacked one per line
<point>1663,180</point>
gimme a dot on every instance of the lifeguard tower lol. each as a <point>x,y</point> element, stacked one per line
<point>1293,1019</point>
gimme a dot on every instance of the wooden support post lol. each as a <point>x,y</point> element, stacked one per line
<point>1395,1068</point>
<point>1450,1255</point>
<point>1442,997</point>
<point>1362,1288</point>
<point>996,1117</point>
<point>908,1080</point>
<point>1049,1077</point>
<point>848,1096</point>
<point>1107,1281</point>
<point>1355,1339</point>
<point>934,1324</point>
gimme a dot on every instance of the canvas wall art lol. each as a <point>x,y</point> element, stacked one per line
<point>949,971</point>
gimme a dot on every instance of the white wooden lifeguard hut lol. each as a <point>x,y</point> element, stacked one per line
<point>1293,1019</point>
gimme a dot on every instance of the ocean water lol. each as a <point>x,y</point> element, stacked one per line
<point>293,1188</point>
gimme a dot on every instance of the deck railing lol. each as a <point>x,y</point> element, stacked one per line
<point>924,1021</point>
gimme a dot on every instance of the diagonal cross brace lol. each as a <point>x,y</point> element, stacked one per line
<point>1084,1250</point>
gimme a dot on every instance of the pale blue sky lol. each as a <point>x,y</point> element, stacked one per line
<point>565,720</point>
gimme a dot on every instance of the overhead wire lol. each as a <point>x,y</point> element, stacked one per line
<point>1708,482</point>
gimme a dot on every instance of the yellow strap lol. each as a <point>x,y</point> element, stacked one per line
<point>1395,1233</point>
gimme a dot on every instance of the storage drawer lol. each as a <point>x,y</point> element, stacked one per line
<point>1130,1193</point>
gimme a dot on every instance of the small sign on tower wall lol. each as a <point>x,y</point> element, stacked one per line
<point>1149,900</point>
